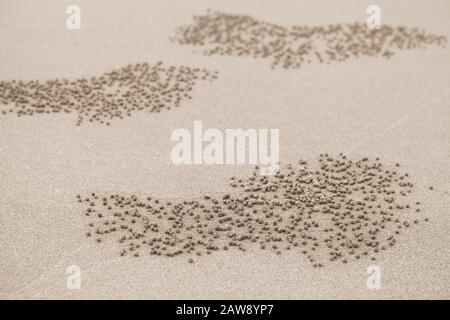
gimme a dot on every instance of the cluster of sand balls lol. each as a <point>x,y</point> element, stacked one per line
<point>113,95</point>
<point>337,210</point>
<point>219,33</point>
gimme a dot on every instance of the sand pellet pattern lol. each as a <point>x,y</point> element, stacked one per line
<point>218,33</point>
<point>334,210</point>
<point>113,95</point>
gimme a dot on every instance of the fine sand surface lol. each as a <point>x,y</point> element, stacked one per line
<point>395,109</point>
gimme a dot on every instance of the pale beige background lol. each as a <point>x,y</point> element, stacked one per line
<point>397,109</point>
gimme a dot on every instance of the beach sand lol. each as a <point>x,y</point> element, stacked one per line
<point>395,109</point>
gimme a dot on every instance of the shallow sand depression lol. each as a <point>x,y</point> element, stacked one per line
<point>362,109</point>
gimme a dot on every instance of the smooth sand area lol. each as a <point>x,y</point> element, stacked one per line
<point>395,109</point>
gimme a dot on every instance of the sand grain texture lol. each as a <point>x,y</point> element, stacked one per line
<point>396,109</point>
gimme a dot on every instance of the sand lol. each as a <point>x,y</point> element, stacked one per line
<point>396,109</point>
